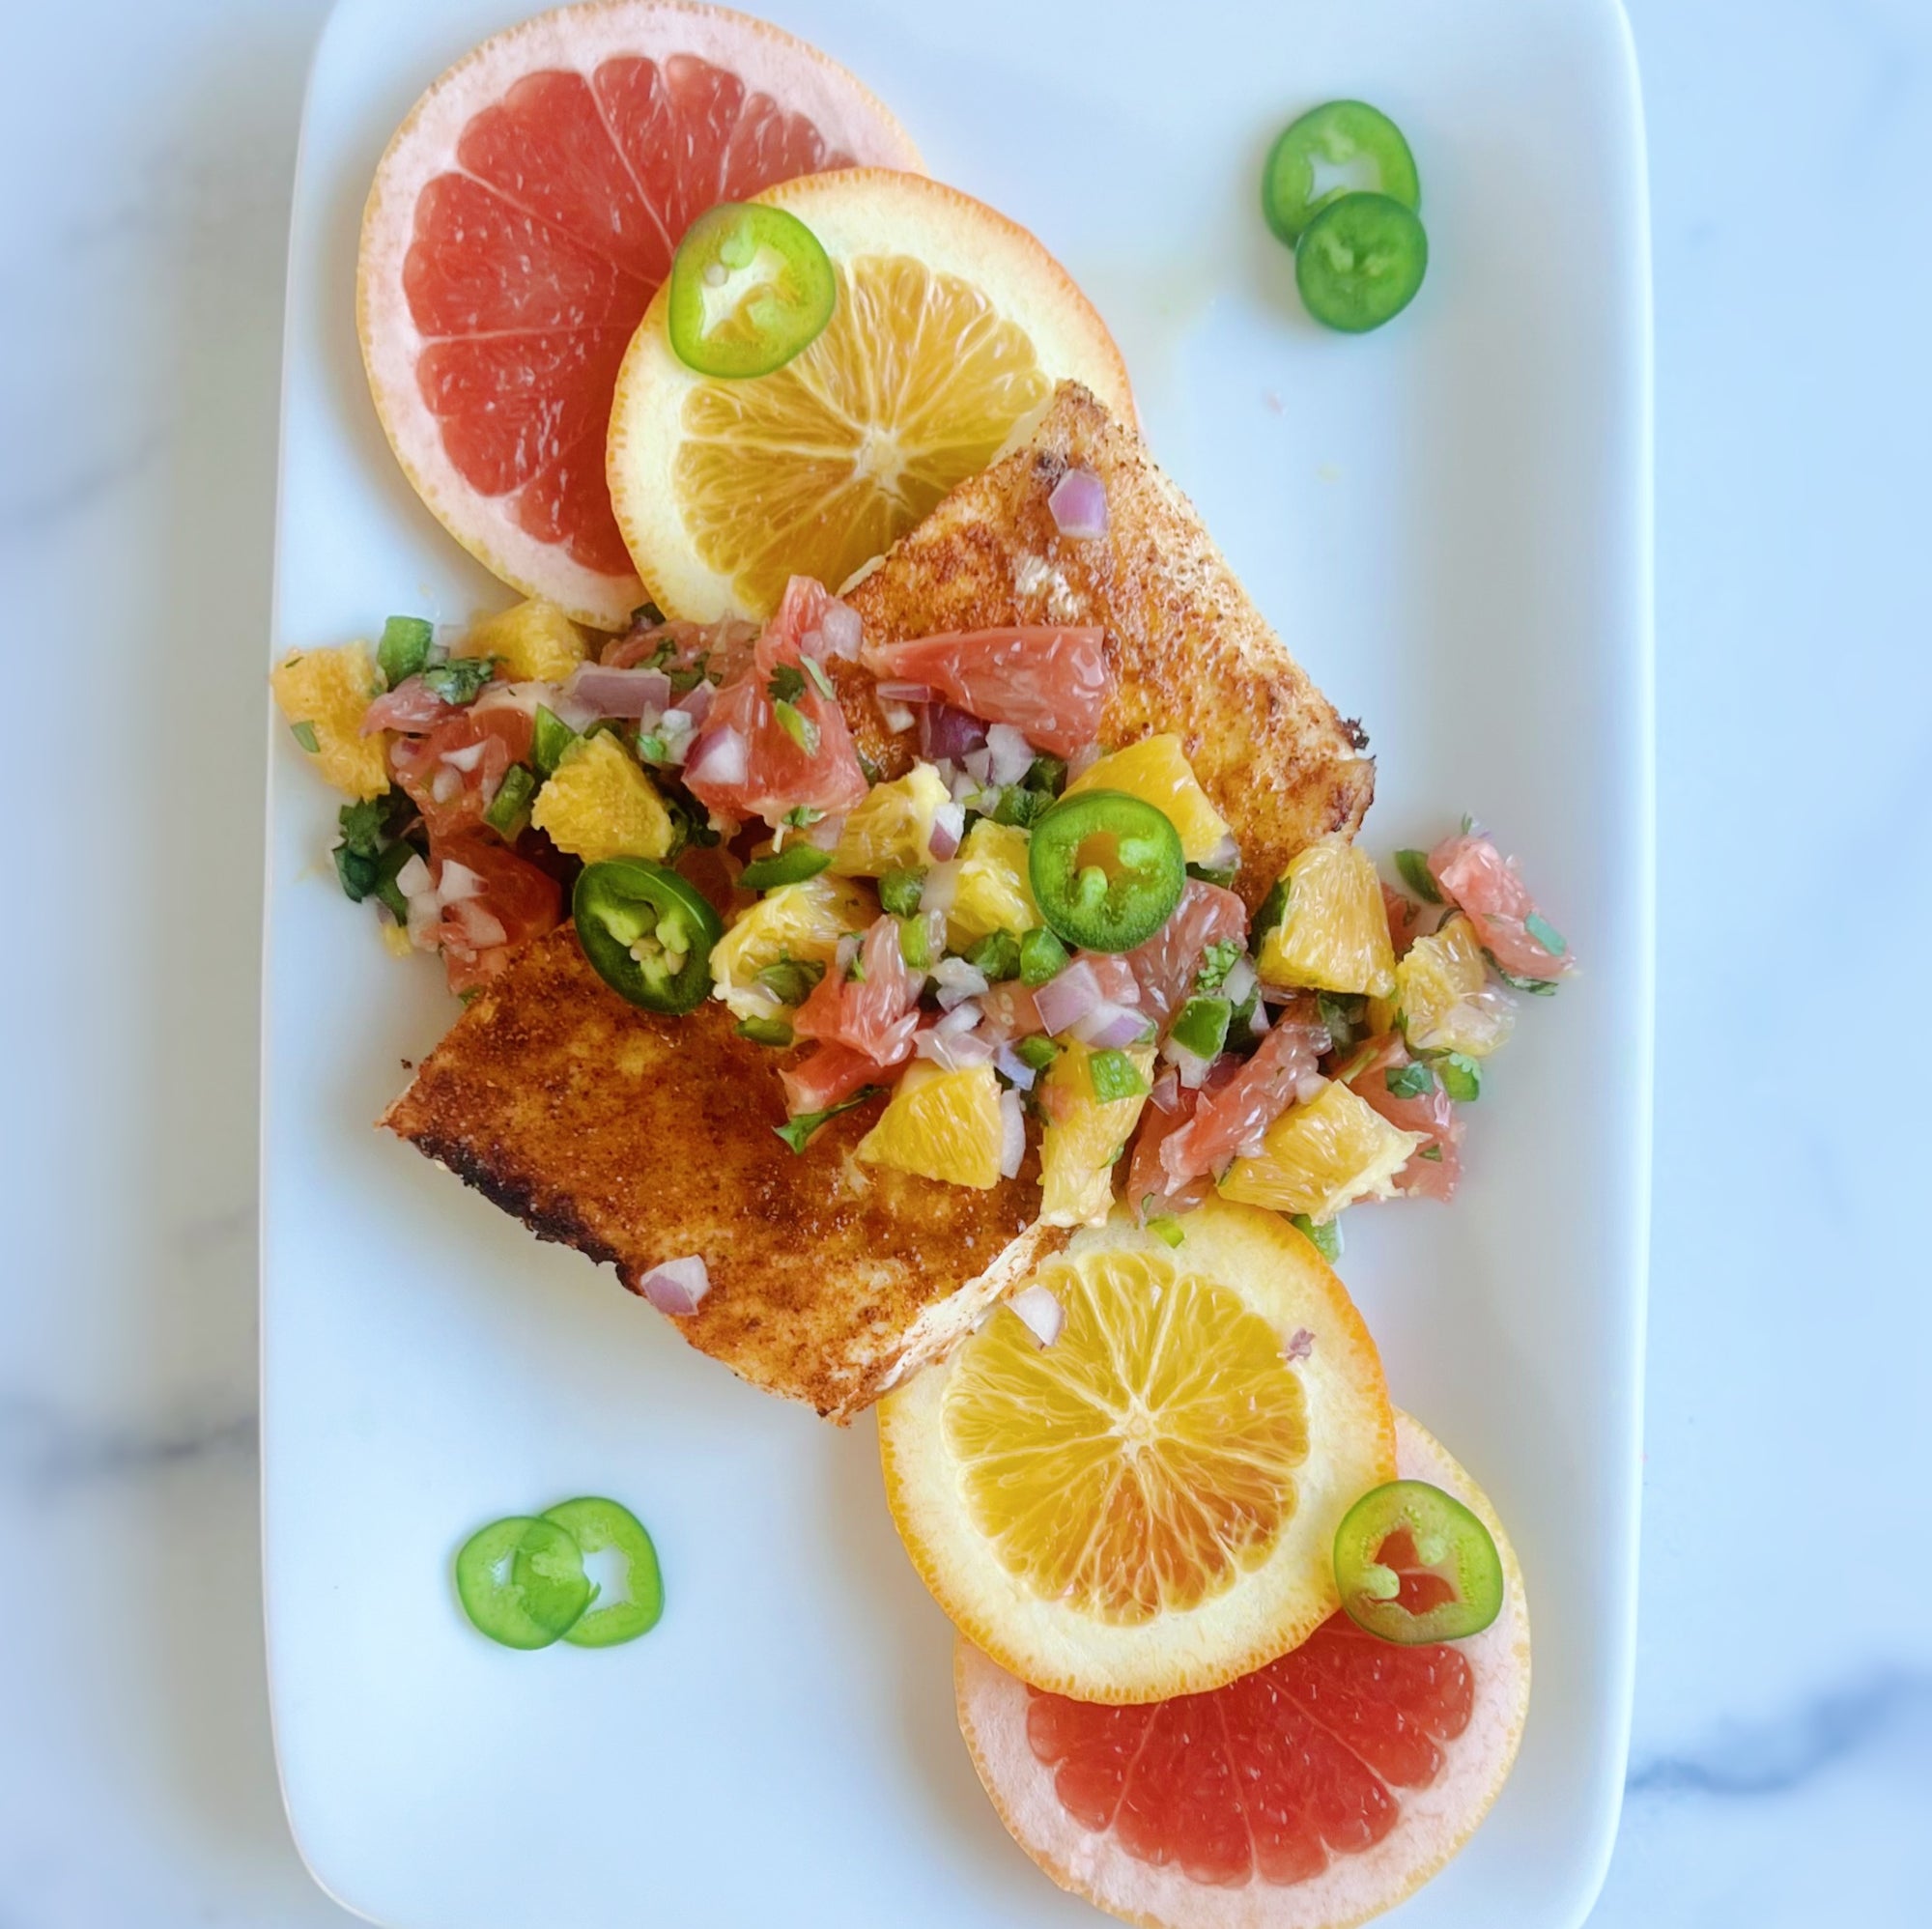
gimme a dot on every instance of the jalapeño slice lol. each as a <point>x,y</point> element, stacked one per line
<point>1359,262</point>
<point>1340,148</point>
<point>521,1581</point>
<point>751,288</point>
<point>628,1597</point>
<point>1415,1565</point>
<point>1106,868</point>
<point>647,933</point>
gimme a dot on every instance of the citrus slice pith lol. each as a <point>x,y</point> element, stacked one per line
<point>521,220</point>
<point>1312,1793</point>
<point>1147,1506</point>
<point>953,327</point>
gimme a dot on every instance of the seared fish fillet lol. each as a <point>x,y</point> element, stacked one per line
<point>640,1138</point>
<point>1191,652</point>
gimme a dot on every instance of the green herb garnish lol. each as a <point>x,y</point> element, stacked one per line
<point>787,683</point>
<point>460,679</point>
<point>1461,1077</point>
<point>795,1132</point>
<point>1417,874</point>
<point>304,734</point>
<point>1544,934</point>
<point>1414,1081</point>
<point>1223,874</point>
<point>1537,987</point>
<point>1341,1016</point>
<point>1326,1239</point>
<point>900,891</point>
<point>1216,962</point>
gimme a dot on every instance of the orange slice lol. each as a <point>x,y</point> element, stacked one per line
<point>953,327</point>
<point>1148,1506</point>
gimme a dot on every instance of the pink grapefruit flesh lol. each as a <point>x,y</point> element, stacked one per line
<point>521,221</point>
<point>1312,1793</point>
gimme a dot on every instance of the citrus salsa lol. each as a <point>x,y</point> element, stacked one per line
<point>1024,942</point>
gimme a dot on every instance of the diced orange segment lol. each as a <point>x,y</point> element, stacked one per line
<point>1321,1156</point>
<point>1444,994</point>
<point>326,693</point>
<point>1156,771</point>
<point>941,1124</point>
<point>599,804</point>
<point>891,830</point>
<point>1333,933</point>
<point>994,893</point>
<point>534,639</point>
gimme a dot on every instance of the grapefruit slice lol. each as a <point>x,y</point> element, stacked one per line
<point>1148,1506</point>
<point>523,218</point>
<point>1312,1793</point>
<point>951,329</point>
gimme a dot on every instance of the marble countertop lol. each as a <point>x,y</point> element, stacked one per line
<point>1782,1756</point>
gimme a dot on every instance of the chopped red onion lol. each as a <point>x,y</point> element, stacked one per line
<point>1078,505</point>
<point>1013,1068</point>
<point>898,719</point>
<point>1308,1088</point>
<point>1239,982</point>
<point>1225,856</point>
<point>1300,1344</point>
<point>1166,1093</point>
<point>940,888</point>
<point>1108,1027</point>
<point>1009,757</point>
<point>676,1287</point>
<point>949,825</point>
<point>1043,1315</point>
<point>467,758</point>
<point>952,1051</point>
<point>482,931</point>
<point>948,732</point>
<point>897,690</point>
<point>457,882</point>
<point>961,1018</point>
<point>957,981</point>
<point>619,693</point>
<point>963,784</point>
<point>978,764</point>
<point>444,786</point>
<point>845,951</point>
<point>1066,997</point>
<point>842,629</point>
<point>414,879</point>
<point>696,702</point>
<point>718,757</point>
<point>1189,1067</point>
<point>1259,1020</point>
<point>824,834</point>
<point>1012,1134</point>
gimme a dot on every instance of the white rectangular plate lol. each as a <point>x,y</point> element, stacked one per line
<point>1449,522</point>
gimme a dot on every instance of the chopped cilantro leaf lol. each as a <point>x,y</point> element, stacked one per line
<point>1414,1081</point>
<point>460,679</point>
<point>795,1132</point>
<point>787,683</point>
<point>1417,874</point>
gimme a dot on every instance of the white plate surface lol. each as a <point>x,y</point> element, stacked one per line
<point>1449,522</point>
